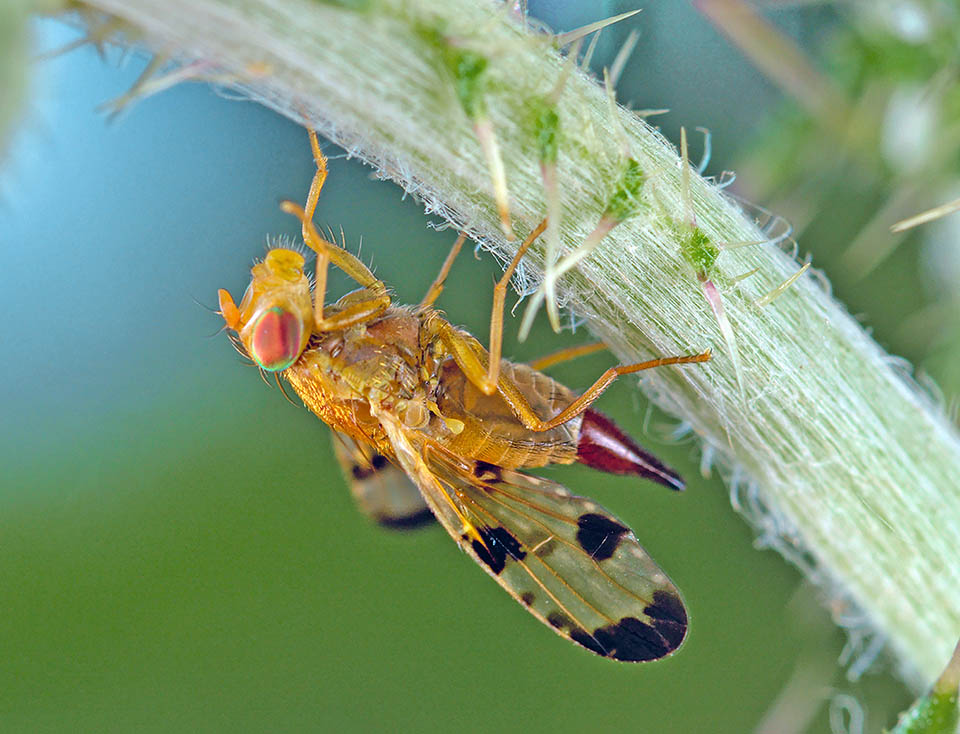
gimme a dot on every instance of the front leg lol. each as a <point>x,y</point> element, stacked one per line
<point>364,308</point>
<point>358,307</point>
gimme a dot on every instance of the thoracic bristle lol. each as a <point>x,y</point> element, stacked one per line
<point>602,445</point>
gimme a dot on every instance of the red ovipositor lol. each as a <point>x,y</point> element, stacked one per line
<point>602,445</point>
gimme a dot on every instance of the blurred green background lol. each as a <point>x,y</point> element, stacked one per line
<point>178,550</point>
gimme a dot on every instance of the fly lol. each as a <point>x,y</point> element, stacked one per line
<point>428,422</point>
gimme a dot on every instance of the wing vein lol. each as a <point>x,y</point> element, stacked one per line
<point>566,542</point>
<point>563,607</point>
<point>546,565</point>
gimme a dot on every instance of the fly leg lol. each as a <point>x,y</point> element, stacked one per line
<point>363,305</point>
<point>323,259</point>
<point>357,307</point>
<point>436,288</point>
<point>466,350</point>
<point>565,355</point>
<point>483,370</point>
<point>472,359</point>
<point>488,385</point>
<point>318,179</point>
<point>603,382</point>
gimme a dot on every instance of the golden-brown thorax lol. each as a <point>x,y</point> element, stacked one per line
<point>395,363</point>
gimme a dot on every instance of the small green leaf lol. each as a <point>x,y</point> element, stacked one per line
<point>467,68</point>
<point>626,198</point>
<point>699,251</point>
<point>546,129</point>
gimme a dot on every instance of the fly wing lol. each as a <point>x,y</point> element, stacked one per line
<point>381,490</point>
<point>570,562</point>
<point>411,460</point>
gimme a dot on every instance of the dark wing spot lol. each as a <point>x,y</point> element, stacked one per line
<point>361,472</point>
<point>633,641</point>
<point>667,606</point>
<point>580,636</point>
<point>365,471</point>
<point>487,472</point>
<point>408,522</point>
<point>599,535</point>
<point>527,598</point>
<point>669,617</point>
<point>497,544</point>
<point>559,620</point>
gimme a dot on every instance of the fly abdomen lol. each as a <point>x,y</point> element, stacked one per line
<point>602,445</point>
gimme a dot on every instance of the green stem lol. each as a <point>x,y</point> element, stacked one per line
<point>859,469</point>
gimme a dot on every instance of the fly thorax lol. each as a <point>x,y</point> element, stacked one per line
<point>327,376</point>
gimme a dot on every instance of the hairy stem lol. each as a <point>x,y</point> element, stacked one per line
<point>851,470</point>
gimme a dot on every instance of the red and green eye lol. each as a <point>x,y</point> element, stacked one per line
<point>275,339</point>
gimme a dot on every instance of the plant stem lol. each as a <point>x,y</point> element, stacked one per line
<point>854,473</point>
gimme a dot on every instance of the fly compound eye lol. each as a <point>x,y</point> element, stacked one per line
<point>275,339</point>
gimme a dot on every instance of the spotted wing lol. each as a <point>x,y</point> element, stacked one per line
<point>570,562</point>
<point>381,490</point>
